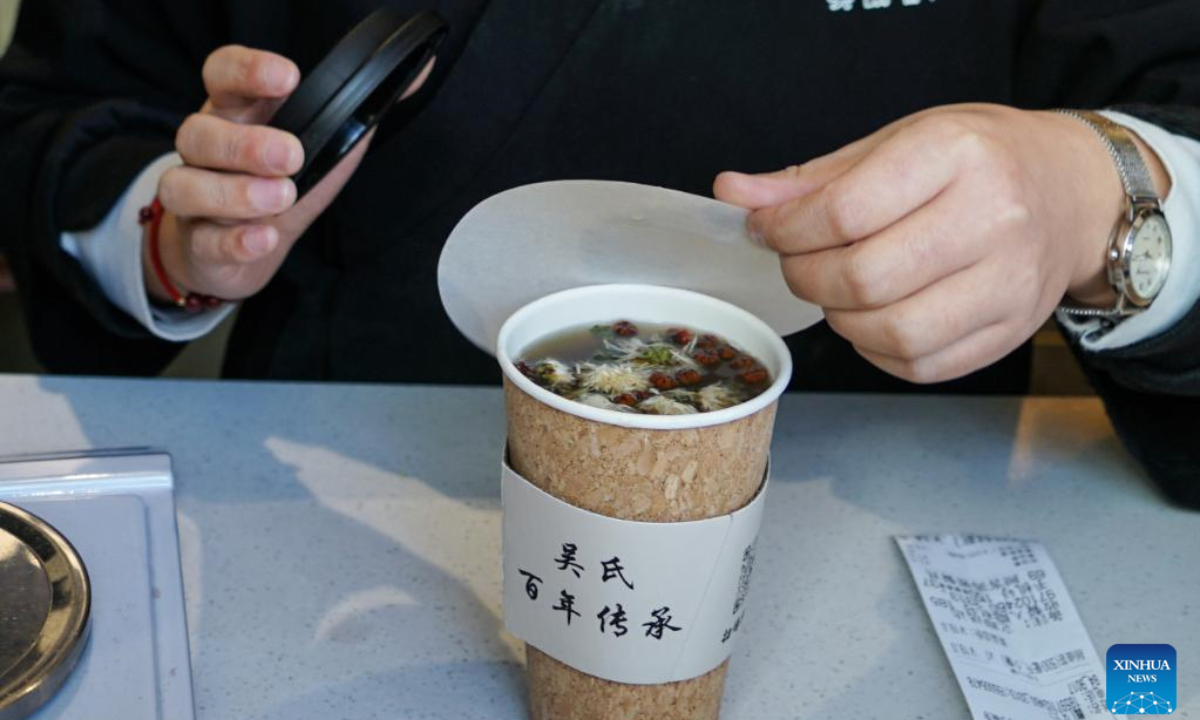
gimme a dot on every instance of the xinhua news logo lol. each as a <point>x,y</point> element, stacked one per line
<point>1141,680</point>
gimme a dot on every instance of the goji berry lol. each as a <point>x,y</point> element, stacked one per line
<point>754,376</point>
<point>680,336</point>
<point>662,381</point>
<point>742,363</point>
<point>707,358</point>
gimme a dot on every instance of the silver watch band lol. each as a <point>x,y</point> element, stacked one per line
<point>1135,178</point>
<point>1131,166</point>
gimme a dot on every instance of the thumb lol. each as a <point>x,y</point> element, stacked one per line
<point>764,189</point>
<point>773,188</point>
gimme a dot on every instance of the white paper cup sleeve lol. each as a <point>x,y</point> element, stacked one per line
<point>627,601</point>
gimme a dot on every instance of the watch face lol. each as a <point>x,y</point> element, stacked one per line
<point>1149,257</point>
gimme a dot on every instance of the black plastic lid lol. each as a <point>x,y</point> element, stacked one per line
<point>351,89</point>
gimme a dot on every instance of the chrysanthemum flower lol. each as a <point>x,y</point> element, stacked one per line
<point>663,405</point>
<point>597,400</point>
<point>613,379</point>
<point>656,353</point>
<point>716,397</point>
<point>556,375</point>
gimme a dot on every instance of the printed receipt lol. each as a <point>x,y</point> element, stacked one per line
<point>1008,626</point>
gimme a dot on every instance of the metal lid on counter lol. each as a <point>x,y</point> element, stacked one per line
<point>45,604</point>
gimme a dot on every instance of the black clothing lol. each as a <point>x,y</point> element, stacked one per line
<point>666,92</point>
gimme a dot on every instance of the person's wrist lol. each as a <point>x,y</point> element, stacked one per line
<point>1097,199</point>
<point>1103,208</point>
<point>169,252</point>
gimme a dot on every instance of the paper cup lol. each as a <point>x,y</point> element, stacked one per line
<point>651,468</point>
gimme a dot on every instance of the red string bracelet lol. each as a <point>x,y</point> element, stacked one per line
<point>152,215</point>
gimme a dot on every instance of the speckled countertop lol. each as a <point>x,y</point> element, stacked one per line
<point>341,543</point>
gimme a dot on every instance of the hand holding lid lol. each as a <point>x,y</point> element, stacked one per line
<point>248,190</point>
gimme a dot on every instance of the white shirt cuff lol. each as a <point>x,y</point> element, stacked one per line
<point>111,253</point>
<point>1181,158</point>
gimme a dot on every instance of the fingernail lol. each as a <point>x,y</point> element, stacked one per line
<point>279,76</point>
<point>269,195</point>
<point>259,241</point>
<point>279,156</point>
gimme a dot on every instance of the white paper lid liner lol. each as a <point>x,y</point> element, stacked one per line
<point>534,240</point>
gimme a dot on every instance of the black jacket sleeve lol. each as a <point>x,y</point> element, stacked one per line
<point>88,97</point>
<point>1143,58</point>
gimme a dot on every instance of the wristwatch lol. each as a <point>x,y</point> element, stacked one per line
<point>1139,251</point>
